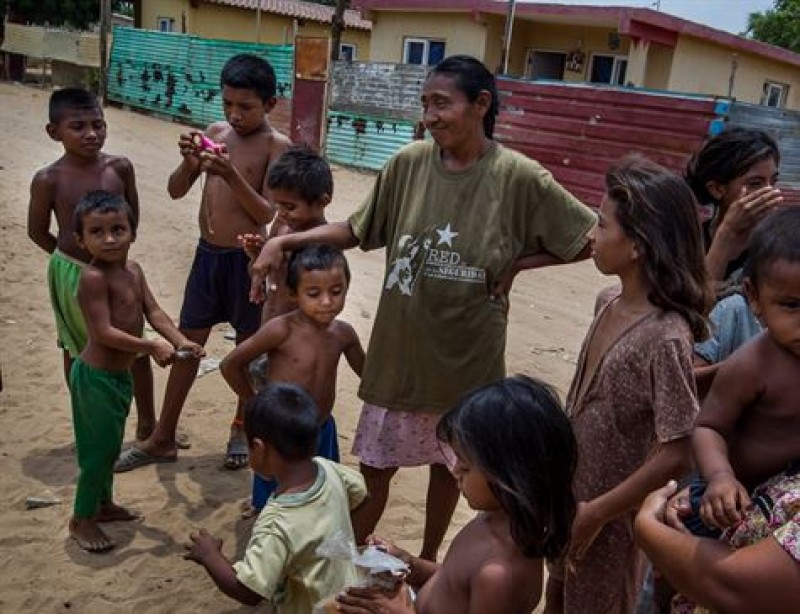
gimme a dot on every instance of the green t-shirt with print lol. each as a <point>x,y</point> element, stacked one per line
<point>448,237</point>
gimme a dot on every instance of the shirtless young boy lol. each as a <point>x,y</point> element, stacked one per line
<point>76,121</point>
<point>749,427</point>
<point>233,203</point>
<point>115,300</point>
<point>304,346</point>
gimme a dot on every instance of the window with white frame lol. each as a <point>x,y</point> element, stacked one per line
<point>775,94</point>
<point>609,69</point>
<point>347,52</point>
<point>165,24</point>
<point>423,51</point>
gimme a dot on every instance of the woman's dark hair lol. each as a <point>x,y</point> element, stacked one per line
<point>250,72</point>
<point>314,257</point>
<point>102,202</point>
<point>471,78</point>
<point>658,212</point>
<point>303,172</point>
<point>516,432</point>
<point>286,417</point>
<point>776,237</point>
<point>727,156</point>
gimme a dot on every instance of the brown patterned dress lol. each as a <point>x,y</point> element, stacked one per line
<point>640,394</point>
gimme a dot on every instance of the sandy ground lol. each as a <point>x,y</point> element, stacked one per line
<point>40,569</point>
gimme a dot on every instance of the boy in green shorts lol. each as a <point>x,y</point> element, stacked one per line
<point>115,300</point>
<point>76,121</point>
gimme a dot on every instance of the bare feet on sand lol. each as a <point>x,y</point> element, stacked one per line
<point>89,535</point>
<point>111,512</point>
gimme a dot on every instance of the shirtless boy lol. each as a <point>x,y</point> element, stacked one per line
<point>749,427</point>
<point>76,121</point>
<point>115,300</point>
<point>304,346</point>
<point>233,204</point>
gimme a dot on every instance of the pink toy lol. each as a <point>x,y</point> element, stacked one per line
<point>206,144</point>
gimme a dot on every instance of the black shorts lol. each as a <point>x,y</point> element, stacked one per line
<point>218,291</point>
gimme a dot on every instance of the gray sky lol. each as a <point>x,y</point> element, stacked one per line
<point>730,15</point>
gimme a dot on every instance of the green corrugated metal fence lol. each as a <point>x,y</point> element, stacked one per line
<point>178,74</point>
<point>365,141</point>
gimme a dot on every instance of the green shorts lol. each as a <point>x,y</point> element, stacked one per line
<point>63,277</point>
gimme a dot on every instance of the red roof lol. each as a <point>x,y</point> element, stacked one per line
<point>631,21</point>
<point>300,10</point>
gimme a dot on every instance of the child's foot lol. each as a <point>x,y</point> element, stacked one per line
<point>111,512</point>
<point>236,452</point>
<point>89,536</point>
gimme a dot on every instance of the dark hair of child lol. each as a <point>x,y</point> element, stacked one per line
<point>727,156</point>
<point>471,77</point>
<point>286,417</point>
<point>303,172</point>
<point>102,202</point>
<point>314,257</point>
<point>516,432</point>
<point>68,99</point>
<point>776,237</point>
<point>658,212</point>
<point>250,72</point>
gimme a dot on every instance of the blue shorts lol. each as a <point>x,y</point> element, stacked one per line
<point>218,290</point>
<point>327,447</point>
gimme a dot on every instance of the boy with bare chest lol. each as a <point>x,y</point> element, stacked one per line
<point>304,346</point>
<point>76,121</point>
<point>234,156</point>
<point>749,426</point>
<point>115,300</point>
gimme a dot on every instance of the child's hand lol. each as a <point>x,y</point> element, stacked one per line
<point>657,503</point>
<point>251,244</point>
<point>747,210</point>
<point>585,529</point>
<point>162,352</point>
<point>389,548</point>
<point>265,268</point>
<point>188,148</point>
<point>367,600</point>
<point>189,349</point>
<point>217,162</point>
<point>724,501</point>
<point>204,547</point>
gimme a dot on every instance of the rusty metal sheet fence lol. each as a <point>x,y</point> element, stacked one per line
<point>372,112</point>
<point>178,74</point>
<point>576,131</point>
<point>783,125</point>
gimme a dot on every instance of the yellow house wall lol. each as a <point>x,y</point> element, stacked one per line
<point>703,67</point>
<point>659,65</point>
<point>459,31</point>
<point>559,37</point>
<point>230,23</point>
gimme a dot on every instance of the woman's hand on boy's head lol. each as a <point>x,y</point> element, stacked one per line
<point>203,546</point>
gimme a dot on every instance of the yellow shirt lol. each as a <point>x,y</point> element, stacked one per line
<point>281,563</point>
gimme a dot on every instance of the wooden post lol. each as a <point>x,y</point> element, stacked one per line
<point>337,25</point>
<point>509,33</point>
<point>105,28</point>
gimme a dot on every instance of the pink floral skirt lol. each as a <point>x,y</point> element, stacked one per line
<point>386,438</point>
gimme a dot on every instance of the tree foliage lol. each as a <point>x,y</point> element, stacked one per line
<point>779,25</point>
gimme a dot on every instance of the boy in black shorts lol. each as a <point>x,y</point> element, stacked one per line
<point>235,156</point>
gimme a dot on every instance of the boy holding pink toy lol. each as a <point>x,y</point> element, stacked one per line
<point>234,155</point>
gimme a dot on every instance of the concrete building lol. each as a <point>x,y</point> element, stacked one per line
<point>238,20</point>
<point>615,45</point>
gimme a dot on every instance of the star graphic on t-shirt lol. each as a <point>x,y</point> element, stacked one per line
<point>446,235</point>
